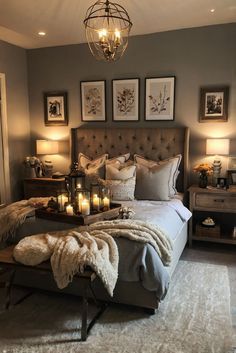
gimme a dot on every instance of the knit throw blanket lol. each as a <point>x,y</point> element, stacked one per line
<point>13,215</point>
<point>94,246</point>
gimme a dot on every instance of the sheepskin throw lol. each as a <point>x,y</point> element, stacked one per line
<point>93,246</point>
<point>13,215</point>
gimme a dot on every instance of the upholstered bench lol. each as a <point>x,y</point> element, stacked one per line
<point>9,266</point>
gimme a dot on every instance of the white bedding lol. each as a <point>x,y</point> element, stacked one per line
<point>169,215</point>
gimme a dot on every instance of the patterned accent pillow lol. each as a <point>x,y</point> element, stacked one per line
<point>122,190</point>
<point>175,163</point>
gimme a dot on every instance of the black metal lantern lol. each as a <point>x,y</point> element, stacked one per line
<point>75,180</point>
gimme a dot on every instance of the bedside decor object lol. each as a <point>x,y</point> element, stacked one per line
<point>93,100</point>
<point>47,147</point>
<point>159,101</point>
<point>69,210</point>
<point>208,222</point>
<point>125,96</point>
<point>216,147</point>
<point>62,201</point>
<point>55,108</point>
<point>214,104</point>
<point>33,167</point>
<point>107,27</point>
<point>204,169</point>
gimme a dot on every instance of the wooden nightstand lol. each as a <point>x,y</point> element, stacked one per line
<point>37,187</point>
<point>220,205</point>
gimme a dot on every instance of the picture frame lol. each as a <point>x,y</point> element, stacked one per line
<point>160,98</point>
<point>93,100</point>
<point>222,183</point>
<point>214,104</point>
<point>125,99</point>
<point>231,177</point>
<point>55,108</point>
<point>232,163</point>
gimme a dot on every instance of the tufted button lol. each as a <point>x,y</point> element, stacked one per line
<point>134,137</point>
<point>127,146</point>
<point>120,137</point>
<point>141,148</point>
<point>153,148</point>
<point>94,137</point>
<point>148,138</point>
<point>88,146</point>
<point>112,146</point>
<point>105,137</point>
<point>100,145</point>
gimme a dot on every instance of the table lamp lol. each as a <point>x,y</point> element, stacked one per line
<point>47,147</point>
<point>217,147</point>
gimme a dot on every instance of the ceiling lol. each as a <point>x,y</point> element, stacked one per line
<point>62,20</point>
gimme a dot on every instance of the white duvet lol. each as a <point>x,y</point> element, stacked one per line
<point>168,215</point>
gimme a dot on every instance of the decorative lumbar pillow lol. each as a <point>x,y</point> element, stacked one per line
<point>93,166</point>
<point>152,183</point>
<point>120,172</point>
<point>175,162</point>
<point>122,190</point>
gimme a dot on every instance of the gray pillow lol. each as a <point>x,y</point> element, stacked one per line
<point>175,162</point>
<point>152,183</point>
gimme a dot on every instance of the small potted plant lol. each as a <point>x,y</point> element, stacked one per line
<point>204,169</point>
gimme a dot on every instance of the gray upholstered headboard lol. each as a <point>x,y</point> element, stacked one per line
<point>152,143</point>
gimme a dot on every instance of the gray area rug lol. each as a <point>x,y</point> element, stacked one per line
<point>194,317</point>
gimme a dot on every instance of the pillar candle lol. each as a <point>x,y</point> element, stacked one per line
<point>85,207</point>
<point>69,210</point>
<point>106,202</point>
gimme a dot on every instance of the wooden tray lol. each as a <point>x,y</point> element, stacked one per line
<point>79,219</point>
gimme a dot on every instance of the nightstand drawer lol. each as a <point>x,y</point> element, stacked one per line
<point>216,201</point>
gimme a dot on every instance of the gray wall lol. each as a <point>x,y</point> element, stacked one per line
<point>13,62</point>
<point>197,57</point>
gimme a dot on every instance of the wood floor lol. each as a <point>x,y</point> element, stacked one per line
<point>219,254</point>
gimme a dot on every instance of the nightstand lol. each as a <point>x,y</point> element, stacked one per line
<point>36,187</point>
<point>220,205</point>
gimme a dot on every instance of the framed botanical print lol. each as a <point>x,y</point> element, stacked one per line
<point>214,104</point>
<point>55,108</point>
<point>93,100</point>
<point>125,99</point>
<point>159,98</point>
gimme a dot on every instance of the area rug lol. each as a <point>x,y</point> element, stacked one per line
<point>193,318</point>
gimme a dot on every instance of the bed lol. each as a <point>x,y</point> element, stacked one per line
<point>142,280</point>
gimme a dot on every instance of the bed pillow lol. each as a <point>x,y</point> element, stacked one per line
<point>120,171</point>
<point>152,183</point>
<point>175,162</point>
<point>122,190</point>
<point>120,159</point>
<point>93,166</point>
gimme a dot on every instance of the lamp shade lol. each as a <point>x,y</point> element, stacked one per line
<point>46,147</point>
<point>217,146</point>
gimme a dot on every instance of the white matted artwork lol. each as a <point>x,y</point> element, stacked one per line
<point>160,95</point>
<point>125,99</point>
<point>93,100</point>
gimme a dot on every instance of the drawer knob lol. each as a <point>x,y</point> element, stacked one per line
<point>219,200</point>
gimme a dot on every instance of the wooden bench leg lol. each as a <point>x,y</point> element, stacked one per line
<point>8,287</point>
<point>84,331</point>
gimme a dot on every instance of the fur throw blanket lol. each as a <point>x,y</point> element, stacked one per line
<point>13,215</point>
<point>71,251</point>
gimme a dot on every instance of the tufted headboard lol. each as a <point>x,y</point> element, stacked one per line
<point>152,143</point>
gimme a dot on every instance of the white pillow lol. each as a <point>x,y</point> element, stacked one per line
<point>93,166</point>
<point>120,172</point>
<point>120,159</point>
<point>175,162</point>
<point>152,183</point>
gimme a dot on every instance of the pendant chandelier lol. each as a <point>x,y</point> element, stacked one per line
<point>107,26</point>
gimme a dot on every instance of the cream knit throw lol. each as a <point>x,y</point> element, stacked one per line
<point>94,246</point>
<point>13,215</point>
